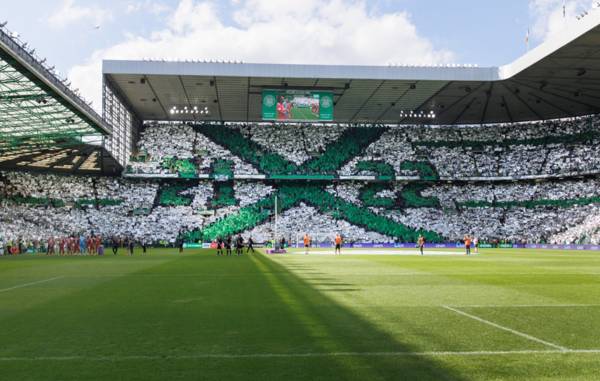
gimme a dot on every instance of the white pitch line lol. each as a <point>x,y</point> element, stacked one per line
<point>301,355</point>
<point>525,305</point>
<point>514,332</point>
<point>30,284</point>
<point>430,253</point>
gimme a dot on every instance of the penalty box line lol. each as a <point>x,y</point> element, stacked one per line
<point>30,284</point>
<point>200,356</point>
<point>503,328</point>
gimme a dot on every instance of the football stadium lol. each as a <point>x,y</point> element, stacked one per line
<point>258,221</point>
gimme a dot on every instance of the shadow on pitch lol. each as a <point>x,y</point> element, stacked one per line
<point>332,328</point>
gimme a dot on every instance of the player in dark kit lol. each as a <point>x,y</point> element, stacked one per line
<point>115,246</point>
<point>220,246</point>
<point>228,246</point>
<point>239,245</point>
<point>130,245</point>
<point>250,245</point>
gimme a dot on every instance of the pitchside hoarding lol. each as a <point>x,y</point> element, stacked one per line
<point>297,105</point>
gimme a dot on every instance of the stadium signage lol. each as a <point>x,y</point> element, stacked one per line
<point>297,105</point>
<point>454,245</point>
<point>193,246</point>
<point>410,245</point>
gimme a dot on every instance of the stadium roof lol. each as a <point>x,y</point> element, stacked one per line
<point>44,125</point>
<point>37,109</point>
<point>558,79</point>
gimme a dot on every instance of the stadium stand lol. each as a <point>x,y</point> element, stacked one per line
<point>35,206</point>
<point>202,210</point>
<point>534,149</point>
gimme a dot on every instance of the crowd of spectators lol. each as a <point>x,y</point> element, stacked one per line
<point>162,144</point>
<point>294,222</point>
<point>35,207</point>
<point>548,148</point>
<point>295,143</point>
<point>532,212</point>
<point>585,230</point>
<point>455,152</point>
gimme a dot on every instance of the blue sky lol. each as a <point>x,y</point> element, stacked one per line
<point>75,35</point>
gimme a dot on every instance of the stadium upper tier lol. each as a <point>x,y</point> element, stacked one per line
<point>558,79</point>
<point>293,152</point>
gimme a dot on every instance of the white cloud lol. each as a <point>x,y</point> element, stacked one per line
<point>318,32</point>
<point>148,6</point>
<point>549,18</point>
<point>70,13</point>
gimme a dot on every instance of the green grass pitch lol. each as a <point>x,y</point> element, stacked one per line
<point>303,113</point>
<point>502,315</point>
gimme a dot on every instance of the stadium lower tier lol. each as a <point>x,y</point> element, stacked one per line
<point>39,206</point>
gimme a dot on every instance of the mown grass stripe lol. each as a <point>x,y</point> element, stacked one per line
<point>300,355</point>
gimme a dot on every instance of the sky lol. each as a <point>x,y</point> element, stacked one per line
<point>76,35</point>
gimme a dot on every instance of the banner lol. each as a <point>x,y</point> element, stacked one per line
<point>297,105</point>
<point>193,246</point>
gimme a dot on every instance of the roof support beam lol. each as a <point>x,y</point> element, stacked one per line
<point>468,94</point>
<point>460,114</point>
<point>366,101</point>
<point>517,96</point>
<point>569,99</point>
<point>488,95</point>
<point>218,99</point>
<point>156,97</point>
<point>508,113</point>
<point>386,110</point>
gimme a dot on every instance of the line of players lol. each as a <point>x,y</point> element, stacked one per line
<point>227,244</point>
<point>338,241</point>
<point>91,245</point>
<point>467,240</point>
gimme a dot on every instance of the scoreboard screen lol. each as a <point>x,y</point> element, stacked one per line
<point>297,105</point>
